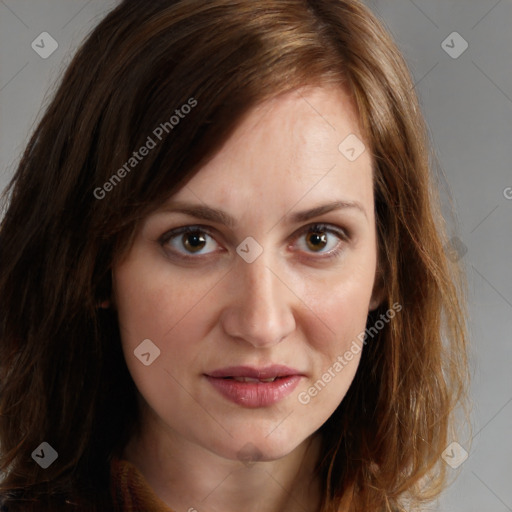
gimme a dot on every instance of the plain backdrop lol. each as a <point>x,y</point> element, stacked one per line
<point>466,96</point>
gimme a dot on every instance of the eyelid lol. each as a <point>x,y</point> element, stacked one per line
<point>343,233</point>
<point>186,229</point>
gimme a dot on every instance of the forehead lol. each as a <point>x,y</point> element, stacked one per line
<point>287,149</point>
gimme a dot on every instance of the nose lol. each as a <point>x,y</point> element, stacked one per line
<point>260,308</point>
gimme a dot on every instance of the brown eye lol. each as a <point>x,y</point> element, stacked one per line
<point>324,240</point>
<point>188,241</point>
<point>316,240</point>
<point>193,242</point>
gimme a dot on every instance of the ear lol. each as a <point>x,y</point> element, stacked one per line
<point>378,292</point>
<point>107,300</point>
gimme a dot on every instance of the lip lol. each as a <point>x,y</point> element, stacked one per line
<point>255,394</point>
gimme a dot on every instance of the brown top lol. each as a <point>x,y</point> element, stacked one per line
<point>130,491</point>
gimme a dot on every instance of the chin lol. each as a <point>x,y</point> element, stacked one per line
<point>258,448</point>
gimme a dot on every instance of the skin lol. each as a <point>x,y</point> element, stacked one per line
<point>290,306</point>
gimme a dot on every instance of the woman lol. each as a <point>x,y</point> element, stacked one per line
<point>223,280</point>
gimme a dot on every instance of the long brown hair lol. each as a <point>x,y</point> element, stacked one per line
<point>63,378</point>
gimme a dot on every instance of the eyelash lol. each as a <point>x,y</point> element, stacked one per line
<point>312,228</point>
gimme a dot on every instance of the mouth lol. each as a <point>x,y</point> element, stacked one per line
<point>255,387</point>
<point>253,374</point>
<point>250,379</point>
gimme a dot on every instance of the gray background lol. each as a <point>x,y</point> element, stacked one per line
<point>467,102</point>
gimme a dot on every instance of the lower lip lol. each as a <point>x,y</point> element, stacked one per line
<point>255,394</point>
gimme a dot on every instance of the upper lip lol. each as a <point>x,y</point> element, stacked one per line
<point>268,372</point>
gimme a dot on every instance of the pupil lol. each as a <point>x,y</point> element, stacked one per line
<point>317,238</point>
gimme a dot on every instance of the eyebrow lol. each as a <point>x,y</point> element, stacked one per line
<point>213,215</point>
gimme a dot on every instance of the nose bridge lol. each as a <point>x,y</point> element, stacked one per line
<point>260,310</point>
<point>260,288</point>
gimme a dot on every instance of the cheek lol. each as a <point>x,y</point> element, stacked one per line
<point>341,306</point>
<point>171,312</point>
<point>152,302</point>
<point>336,337</point>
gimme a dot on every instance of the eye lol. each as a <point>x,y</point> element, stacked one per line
<point>193,239</point>
<point>318,240</point>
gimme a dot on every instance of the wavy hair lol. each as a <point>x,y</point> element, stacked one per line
<point>63,378</point>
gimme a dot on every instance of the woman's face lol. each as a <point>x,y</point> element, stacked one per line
<point>258,290</point>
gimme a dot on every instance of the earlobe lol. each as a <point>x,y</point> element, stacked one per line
<point>104,305</point>
<point>378,293</point>
<point>375,302</point>
<point>110,302</point>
